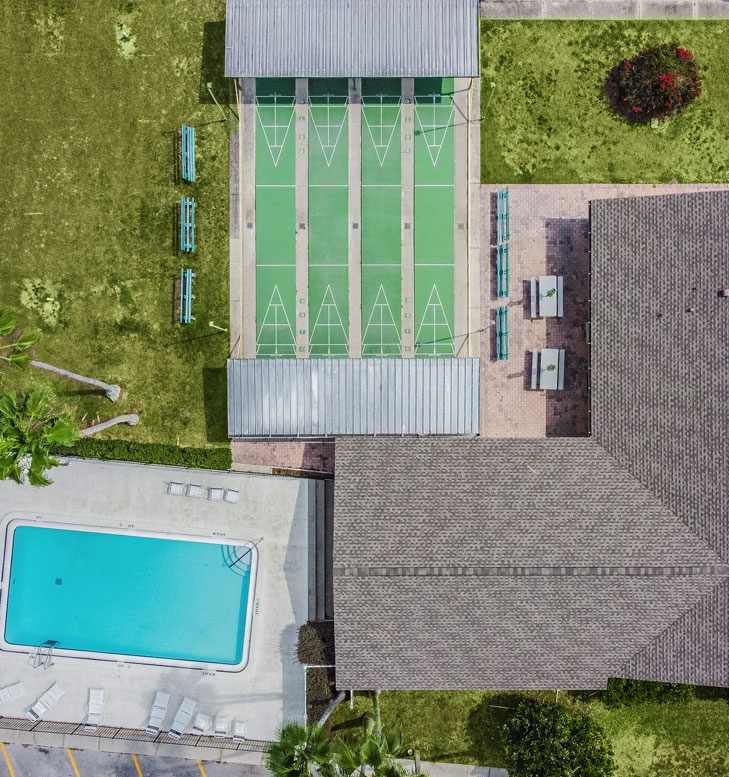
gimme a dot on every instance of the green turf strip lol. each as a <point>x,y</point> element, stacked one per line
<point>381,217</point>
<point>433,219</point>
<point>328,218</point>
<point>275,219</point>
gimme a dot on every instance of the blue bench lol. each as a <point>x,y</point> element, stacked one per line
<point>502,271</point>
<point>187,152</point>
<point>187,223</point>
<point>502,215</point>
<point>502,333</point>
<point>186,296</point>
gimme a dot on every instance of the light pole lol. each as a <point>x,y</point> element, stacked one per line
<point>210,89</point>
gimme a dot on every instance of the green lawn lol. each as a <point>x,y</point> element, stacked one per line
<point>650,740</point>
<point>549,122</point>
<point>92,94</point>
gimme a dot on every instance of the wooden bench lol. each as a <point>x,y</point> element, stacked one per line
<point>560,374</point>
<point>535,368</point>
<point>186,296</point>
<point>502,333</point>
<point>502,271</point>
<point>187,152</point>
<point>560,296</point>
<point>187,224</point>
<point>534,297</point>
<point>502,215</point>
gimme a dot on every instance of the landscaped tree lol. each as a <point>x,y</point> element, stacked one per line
<point>31,431</point>
<point>658,82</point>
<point>545,740</point>
<point>374,755</point>
<point>14,344</point>
<point>300,751</point>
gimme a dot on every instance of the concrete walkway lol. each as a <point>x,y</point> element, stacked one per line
<point>458,770</point>
<point>604,9</point>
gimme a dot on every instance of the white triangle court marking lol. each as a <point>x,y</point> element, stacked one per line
<point>329,309</point>
<point>275,157</point>
<point>382,307</point>
<point>436,306</point>
<point>382,146</point>
<point>329,145</point>
<point>429,130</point>
<point>275,305</point>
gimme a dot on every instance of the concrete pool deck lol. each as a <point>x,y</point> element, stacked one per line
<point>273,512</point>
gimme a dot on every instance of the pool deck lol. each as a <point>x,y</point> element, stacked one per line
<point>271,511</point>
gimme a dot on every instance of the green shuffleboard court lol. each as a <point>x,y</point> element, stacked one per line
<point>275,217</point>
<point>328,227</point>
<point>434,217</point>
<point>380,223</point>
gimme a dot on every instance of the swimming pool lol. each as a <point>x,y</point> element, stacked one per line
<point>128,595</point>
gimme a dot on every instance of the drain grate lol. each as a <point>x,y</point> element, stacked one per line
<point>59,581</point>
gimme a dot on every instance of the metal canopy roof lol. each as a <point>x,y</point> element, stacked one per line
<point>332,397</point>
<point>351,38</point>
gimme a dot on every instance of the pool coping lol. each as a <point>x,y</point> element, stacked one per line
<point>10,521</point>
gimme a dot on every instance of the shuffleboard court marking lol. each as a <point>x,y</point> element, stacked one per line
<point>442,334</point>
<point>329,321</point>
<point>326,141</point>
<point>73,763</point>
<point>136,763</point>
<point>7,760</point>
<point>381,132</point>
<point>434,121</point>
<point>277,132</point>
<point>381,320</point>
<point>279,325</point>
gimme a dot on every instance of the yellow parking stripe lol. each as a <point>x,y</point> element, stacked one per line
<point>202,771</point>
<point>136,763</point>
<point>7,760</point>
<point>73,763</point>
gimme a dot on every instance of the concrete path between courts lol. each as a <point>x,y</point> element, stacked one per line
<point>604,9</point>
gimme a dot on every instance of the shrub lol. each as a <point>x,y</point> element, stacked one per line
<point>316,643</point>
<point>658,82</point>
<point>545,740</point>
<point>621,692</point>
<point>151,453</point>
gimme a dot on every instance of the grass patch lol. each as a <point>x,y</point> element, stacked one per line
<point>92,95</point>
<point>649,740</point>
<point>549,121</point>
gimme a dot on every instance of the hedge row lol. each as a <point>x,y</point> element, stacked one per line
<point>621,692</point>
<point>151,453</point>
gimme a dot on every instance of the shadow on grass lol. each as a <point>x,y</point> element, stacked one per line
<point>484,725</point>
<point>212,69</point>
<point>215,397</point>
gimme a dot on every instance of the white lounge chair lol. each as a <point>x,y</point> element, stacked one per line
<point>158,712</point>
<point>240,729</point>
<point>194,490</point>
<point>215,494</point>
<point>182,718</point>
<point>231,495</point>
<point>175,489</point>
<point>201,724</point>
<point>221,726</point>
<point>44,702</point>
<point>10,692</point>
<point>93,708</point>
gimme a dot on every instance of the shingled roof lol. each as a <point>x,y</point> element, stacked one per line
<point>557,563</point>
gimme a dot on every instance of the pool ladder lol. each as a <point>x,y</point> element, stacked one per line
<point>44,654</point>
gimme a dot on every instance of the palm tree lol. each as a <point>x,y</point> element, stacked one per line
<point>375,755</point>
<point>16,350</point>
<point>130,418</point>
<point>30,432</point>
<point>299,751</point>
<point>112,392</point>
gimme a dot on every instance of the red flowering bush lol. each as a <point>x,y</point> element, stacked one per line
<point>658,82</point>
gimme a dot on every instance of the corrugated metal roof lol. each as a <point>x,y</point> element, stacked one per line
<point>351,38</point>
<point>332,397</point>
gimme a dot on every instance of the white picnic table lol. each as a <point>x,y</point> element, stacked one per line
<point>547,302</point>
<point>548,377</point>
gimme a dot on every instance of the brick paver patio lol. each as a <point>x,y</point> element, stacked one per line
<point>549,236</point>
<point>271,455</point>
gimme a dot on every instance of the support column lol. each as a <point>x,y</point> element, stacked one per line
<point>474,218</point>
<point>243,283</point>
<point>407,153</point>
<point>301,119</point>
<point>460,233</point>
<point>355,217</point>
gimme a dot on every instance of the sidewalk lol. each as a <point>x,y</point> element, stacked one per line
<point>604,9</point>
<point>458,770</point>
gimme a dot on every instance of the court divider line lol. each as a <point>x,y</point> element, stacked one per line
<point>7,760</point>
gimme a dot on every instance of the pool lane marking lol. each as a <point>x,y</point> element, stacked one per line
<point>202,771</point>
<point>7,760</point>
<point>73,763</point>
<point>136,763</point>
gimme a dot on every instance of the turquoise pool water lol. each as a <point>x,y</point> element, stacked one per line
<point>128,594</point>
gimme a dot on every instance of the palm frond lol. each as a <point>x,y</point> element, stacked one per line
<point>8,322</point>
